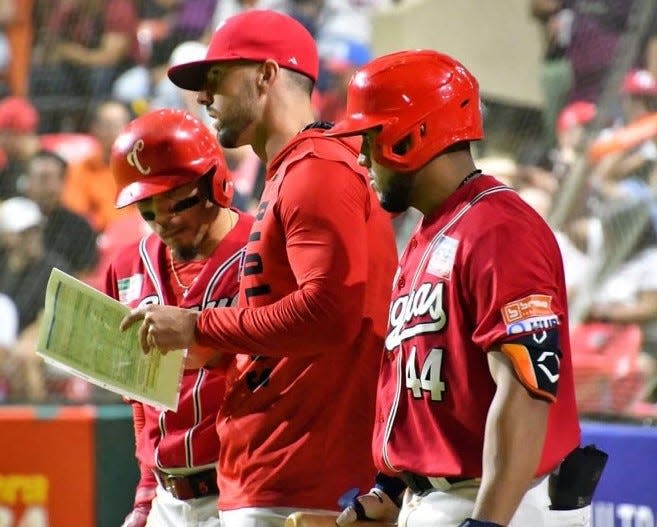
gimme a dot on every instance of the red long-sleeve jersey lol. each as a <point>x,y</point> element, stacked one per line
<point>297,420</point>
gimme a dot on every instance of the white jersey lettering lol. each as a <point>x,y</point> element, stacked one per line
<point>425,300</point>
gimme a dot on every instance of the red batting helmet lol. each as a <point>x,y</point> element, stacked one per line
<point>422,96</point>
<point>166,149</point>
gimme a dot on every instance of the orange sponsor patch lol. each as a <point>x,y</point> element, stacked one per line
<point>528,307</point>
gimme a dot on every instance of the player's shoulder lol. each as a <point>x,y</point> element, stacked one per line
<point>129,256</point>
<point>316,146</point>
<point>502,214</point>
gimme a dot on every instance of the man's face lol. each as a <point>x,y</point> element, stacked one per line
<point>26,245</point>
<point>232,101</point>
<point>108,123</point>
<point>392,188</point>
<point>43,182</point>
<point>180,217</point>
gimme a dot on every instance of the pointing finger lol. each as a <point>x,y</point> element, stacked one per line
<point>131,318</point>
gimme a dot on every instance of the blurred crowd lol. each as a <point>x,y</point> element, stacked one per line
<point>72,75</point>
<point>74,72</point>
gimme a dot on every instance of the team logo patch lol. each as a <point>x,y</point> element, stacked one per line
<point>130,288</point>
<point>529,314</point>
<point>442,259</point>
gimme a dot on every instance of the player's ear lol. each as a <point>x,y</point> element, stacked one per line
<point>267,74</point>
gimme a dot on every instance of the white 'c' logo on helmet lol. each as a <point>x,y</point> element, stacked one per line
<point>133,160</point>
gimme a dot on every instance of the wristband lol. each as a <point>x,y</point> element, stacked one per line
<point>392,486</point>
<point>469,522</point>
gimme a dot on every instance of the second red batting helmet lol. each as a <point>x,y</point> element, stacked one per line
<point>421,96</point>
<point>166,149</point>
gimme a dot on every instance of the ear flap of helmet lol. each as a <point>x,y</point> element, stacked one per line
<point>218,186</point>
<point>398,147</point>
<point>221,188</point>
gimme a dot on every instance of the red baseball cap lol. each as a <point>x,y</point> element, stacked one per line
<point>257,35</point>
<point>640,82</point>
<point>18,115</point>
<point>575,114</point>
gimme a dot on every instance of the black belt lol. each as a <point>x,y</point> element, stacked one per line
<point>422,484</point>
<point>189,486</point>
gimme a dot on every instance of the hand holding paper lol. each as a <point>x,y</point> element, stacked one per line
<point>80,334</point>
<point>164,328</point>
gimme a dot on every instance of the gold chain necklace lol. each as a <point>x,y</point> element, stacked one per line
<point>184,287</point>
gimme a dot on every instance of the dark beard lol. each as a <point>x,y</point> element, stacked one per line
<point>185,254</point>
<point>396,197</point>
<point>228,137</point>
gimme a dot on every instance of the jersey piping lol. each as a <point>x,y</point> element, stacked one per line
<point>425,256</point>
<point>196,393</point>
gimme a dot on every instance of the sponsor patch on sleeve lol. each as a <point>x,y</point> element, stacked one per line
<point>529,314</point>
<point>536,359</point>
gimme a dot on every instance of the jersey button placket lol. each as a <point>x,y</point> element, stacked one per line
<point>401,282</point>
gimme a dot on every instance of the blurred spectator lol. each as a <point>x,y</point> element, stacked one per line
<point>7,15</point>
<point>185,20</point>
<point>556,75</point>
<point>163,33</point>
<point>20,32</point>
<point>84,46</point>
<point>339,59</point>
<point>168,95</point>
<point>143,89</point>
<point>227,8</point>
<point>8,337</point>
<point>71,147</point>
<point>639,94</point>
<point>25,263</point>
<point>89,189</point>
<point>647,58</point>
<point>18,141</point>
<point>597,28</point>
<point>629,296</point>
<point>9,326</point>
<point>570,127</point>
<point>619,172</point>
<point>577,265</point>
<point>323,18</point>
<point>333,19</point>
<point>65,232</point>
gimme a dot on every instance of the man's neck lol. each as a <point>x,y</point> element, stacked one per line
<point>291,116</point>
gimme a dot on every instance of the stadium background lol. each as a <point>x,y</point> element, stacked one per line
<point>66,456</point>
